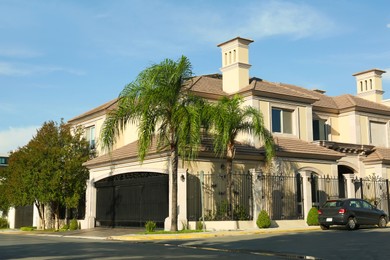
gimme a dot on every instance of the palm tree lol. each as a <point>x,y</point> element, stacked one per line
<point>163,110</point>
<point>228,119</point>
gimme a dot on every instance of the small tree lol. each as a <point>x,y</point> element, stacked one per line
<point>312,217</point>
<point>48,171</point>
<point>263,220</point>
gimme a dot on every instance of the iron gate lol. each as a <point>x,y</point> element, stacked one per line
<point>327,187</point>
<point>131,199</point>
<point>281,196</point>
<point>375,190</point>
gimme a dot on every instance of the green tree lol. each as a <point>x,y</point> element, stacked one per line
<point>164,110</point>
<point>228,119</point>
<point>48,171</point>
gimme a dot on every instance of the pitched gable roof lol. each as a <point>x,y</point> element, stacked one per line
<point>97,111</point>
<point>350,102</point>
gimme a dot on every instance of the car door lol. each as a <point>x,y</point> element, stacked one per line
<point>356,209</point>
<point>370,213</point>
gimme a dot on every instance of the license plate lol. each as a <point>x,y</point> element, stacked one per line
<point>329,219</point>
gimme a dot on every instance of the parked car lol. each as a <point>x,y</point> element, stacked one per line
<point>351,213</point>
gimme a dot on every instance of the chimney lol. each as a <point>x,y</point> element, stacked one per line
<point>369,84</point>
<point>235,64</point>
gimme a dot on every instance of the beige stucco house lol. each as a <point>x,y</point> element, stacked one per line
<point>344,138</point>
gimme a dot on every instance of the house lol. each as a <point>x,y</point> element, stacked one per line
<point>325,147</point>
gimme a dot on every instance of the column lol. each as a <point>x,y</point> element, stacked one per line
<point>350,185</point>
<point>90,204</point>
<point>306,187</point>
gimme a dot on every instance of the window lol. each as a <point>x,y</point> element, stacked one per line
<point>3,160</point>
<point>281,121</point>
<point>320,130</point>
<point>90,136</point>
<point>378,134</point>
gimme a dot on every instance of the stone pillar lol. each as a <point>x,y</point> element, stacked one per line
<point>35,216</point>
<point>90,204</point>
<point>350,185</point>
<point>182,199</point>
<point>11,217</point>
<point>306,187</point>
<point>256,194</point>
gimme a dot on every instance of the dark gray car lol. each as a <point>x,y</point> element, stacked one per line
<point>351,213</point>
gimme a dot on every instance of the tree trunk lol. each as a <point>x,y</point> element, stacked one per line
<point>41,213</point>
<point>174,166</point>
<point>229,182</point>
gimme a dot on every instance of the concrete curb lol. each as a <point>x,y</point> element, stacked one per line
<point>201,235</point>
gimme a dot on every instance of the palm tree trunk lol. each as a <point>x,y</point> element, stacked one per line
<point>229,183</point>
<point>174,164</point>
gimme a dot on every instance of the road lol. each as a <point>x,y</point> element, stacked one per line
<point>333,244</point>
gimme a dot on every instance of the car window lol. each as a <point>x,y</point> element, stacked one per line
<point>366,205</point>
<point>333,204</point>
<point>355,204</point>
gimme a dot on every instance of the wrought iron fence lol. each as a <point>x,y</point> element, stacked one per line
<point>281,196</point>
<point>215,201</point>
<point>375,190</point>
<point>326,187</point>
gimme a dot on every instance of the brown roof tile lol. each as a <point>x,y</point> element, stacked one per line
<point>103,108</point>
<point>293,147</point>
<point>380,154</point>
<point>348,101</point>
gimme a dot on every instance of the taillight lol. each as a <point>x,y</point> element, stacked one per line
<point>341,211</point>
<point>319,212</point>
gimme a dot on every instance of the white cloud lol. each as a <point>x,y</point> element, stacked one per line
<point>388,25</point>
<point>14,138</point>
<point>265,20</point>
<point>20,69</point>
<point>18,53</point>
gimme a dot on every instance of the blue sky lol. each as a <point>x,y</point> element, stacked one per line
<point>59,59</point>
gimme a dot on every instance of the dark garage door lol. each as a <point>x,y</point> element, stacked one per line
<point>24,216</point>
<point>131,199</point>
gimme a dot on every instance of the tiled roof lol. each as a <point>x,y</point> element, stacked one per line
<point>292,147</point>
<point>380,154</point>
<point>207,84</point>
<point>349,101</point>
<point>278,89</point>
<point>103,108</point>
<point>287,147</point>
<point>127,152</point>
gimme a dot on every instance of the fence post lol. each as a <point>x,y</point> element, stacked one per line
<point>350,185</point>
<point>201,197</point>
<point>306,186</point>
<point>361,188</point>
<point>387,193</point>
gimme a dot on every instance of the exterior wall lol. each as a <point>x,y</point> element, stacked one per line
<point>347,132</point>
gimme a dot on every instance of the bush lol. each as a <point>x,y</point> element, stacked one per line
<point>150,226</point>
<point>263,220</point>
<point>312,217</point>
<point>73,225</point>
<point>3,223</point>
<point>64,227</point>
<point>199,225</point>
<point>27,228</point>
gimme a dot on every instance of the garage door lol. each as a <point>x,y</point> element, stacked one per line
<point>131,199</point>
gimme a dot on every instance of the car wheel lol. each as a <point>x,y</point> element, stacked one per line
<point>382,222</point>
<point>351,224</point>
<point>324,227</point>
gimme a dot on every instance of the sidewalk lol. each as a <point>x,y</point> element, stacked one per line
<point>135,234</point>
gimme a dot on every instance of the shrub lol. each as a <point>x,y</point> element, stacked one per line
<point>64,227</point>
<point>263,220</point>
<point>199,225</point>
<point>312,217</point>
<point>73,225</point>
<point>150,226</point>
<point>27,228</point>
<point>3,223</point>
